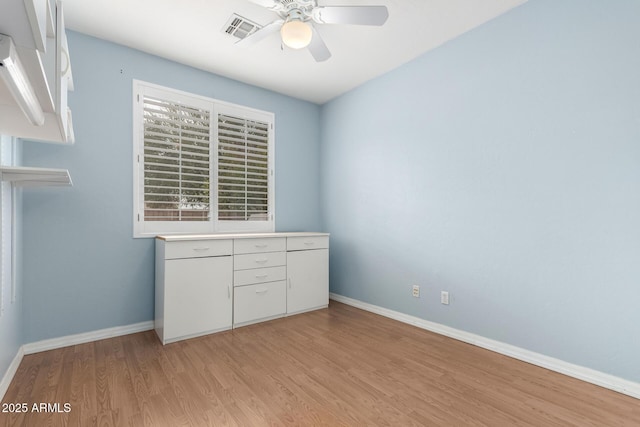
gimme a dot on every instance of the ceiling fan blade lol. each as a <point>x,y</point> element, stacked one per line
<point>261,34</point>
<point>356,15</point>
<point>318,49</point>
<point>269,4</point>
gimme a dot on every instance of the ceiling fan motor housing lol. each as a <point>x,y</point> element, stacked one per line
<point>297,9</point>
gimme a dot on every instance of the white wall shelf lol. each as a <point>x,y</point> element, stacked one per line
<point>35,177</point>
<point>38,33</point>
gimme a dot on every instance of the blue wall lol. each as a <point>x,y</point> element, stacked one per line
<point>83,271</point>
<point>503,167</point>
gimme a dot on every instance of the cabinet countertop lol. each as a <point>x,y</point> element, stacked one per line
<point>222,236</point>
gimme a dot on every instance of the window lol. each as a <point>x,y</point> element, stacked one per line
<point>200,165</point>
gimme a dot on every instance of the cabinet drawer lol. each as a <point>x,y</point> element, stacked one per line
<point>259,275</point>
<point>250,246</point>
<point>260,301</point>
<point>265,259</point>
<point>311,242</point>
<point>198,248</point>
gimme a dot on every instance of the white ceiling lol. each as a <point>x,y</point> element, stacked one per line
<point>191,32</point>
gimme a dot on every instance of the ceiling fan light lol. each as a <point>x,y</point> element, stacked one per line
<point>296,34</point>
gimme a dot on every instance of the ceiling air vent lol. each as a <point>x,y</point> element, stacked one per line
<point>240,27</point>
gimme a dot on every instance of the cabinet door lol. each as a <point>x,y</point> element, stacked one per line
<point>308,280</point>
<point>197,296</point>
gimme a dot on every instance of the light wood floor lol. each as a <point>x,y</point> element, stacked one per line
<point>340,366</point>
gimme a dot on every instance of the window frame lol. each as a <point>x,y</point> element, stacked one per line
<point>145,229</point>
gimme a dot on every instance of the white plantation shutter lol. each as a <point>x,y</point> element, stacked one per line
<point>200,165</point>
<point>176,161</point>
<point>243,169</point>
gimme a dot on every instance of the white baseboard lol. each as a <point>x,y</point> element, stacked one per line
<point>11,371</point>
<point>53,343</point>
<point>592,376</point>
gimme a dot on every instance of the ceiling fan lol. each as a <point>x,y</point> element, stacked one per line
<point>297,18</point>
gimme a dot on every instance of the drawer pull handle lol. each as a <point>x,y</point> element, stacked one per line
<point>289,282</point>
<point>309,243</point>
<point>262,260</point>
<point>261,276</point>
<point>228,291</point>
<point>261,245</point>
<point>261,291</point>
<point>201,249</point>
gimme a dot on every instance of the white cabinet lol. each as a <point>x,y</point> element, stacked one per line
<point>194,294</point>
<point>209,283</point>
<point>307,273</point>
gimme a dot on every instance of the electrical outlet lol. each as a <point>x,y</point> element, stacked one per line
<point>444,297</point>
<point>416,291</point>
